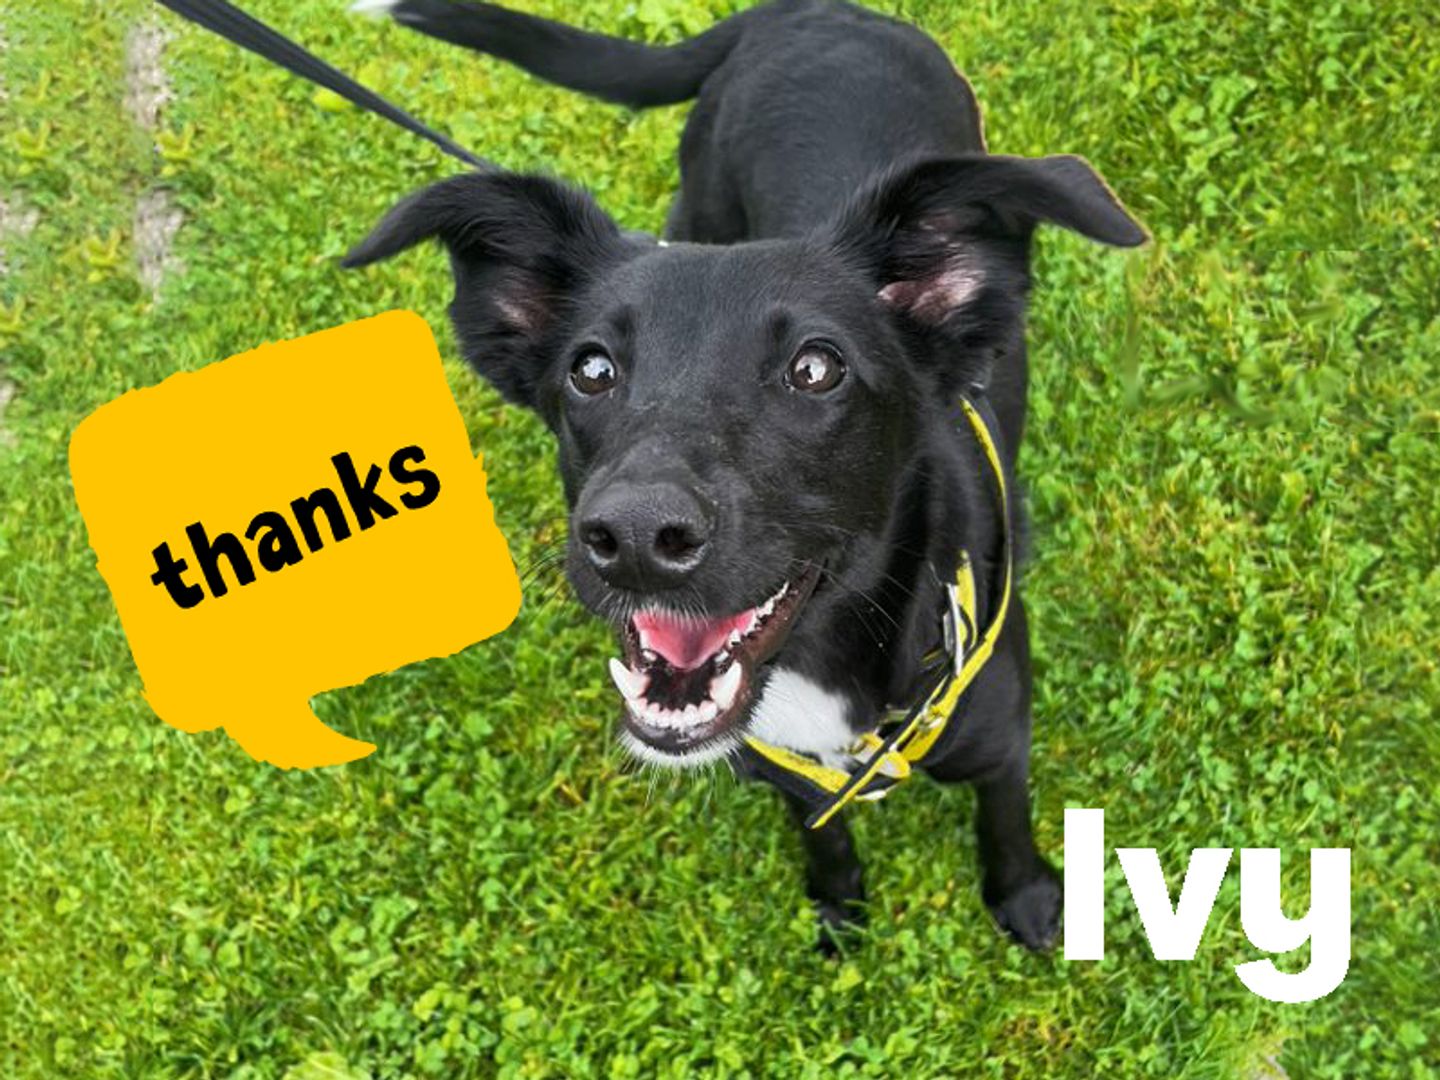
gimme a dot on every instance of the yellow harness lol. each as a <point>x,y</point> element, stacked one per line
<point>880,761</point>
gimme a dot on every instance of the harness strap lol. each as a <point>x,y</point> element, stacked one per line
<point>250,33</point>
<point>883,761</point>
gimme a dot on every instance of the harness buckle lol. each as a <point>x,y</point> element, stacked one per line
<point>951,623</point>
<point>892,764</point>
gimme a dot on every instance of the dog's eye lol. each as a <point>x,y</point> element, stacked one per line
<point>815,369</point>
<point>593,372</point>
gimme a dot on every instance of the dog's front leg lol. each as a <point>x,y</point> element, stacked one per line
<point>833,876</point>
<point>1020,887</point>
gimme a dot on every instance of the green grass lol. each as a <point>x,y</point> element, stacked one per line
<point>1232,465</point>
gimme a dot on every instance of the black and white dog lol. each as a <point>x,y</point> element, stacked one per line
<point>756,418</point>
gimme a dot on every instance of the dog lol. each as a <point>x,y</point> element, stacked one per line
<point>768,490</point>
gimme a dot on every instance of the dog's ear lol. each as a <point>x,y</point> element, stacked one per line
<point>947,240</point>
<point>520,247</point>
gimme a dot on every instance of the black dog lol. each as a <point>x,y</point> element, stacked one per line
<point>757,420</point>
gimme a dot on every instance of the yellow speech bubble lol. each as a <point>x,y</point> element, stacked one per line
<point>290,520</point>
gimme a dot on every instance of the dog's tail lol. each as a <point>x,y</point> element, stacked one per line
<point>625,72</point>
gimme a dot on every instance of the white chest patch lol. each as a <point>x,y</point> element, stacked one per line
<point>797,714</point>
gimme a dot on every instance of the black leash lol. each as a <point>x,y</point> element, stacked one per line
<point>250,33</point>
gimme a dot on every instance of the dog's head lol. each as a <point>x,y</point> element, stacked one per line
<point>734,421</point>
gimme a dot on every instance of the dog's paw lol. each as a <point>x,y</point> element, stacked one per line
<point>841,926</point>
<point>1030,912</point>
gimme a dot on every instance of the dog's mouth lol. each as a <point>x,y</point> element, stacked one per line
<point>688,681</point>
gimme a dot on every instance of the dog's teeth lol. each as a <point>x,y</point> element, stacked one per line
<point>708,710</point>
<point>645,643</point>
<point>734,638</point>
<point>724,687</point>
<point>692,715</point>
<point>631,684</point>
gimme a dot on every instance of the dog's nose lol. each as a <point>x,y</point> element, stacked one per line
<point>649,536</point>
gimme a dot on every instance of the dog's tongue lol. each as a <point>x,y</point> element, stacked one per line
<point>686,643</point>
